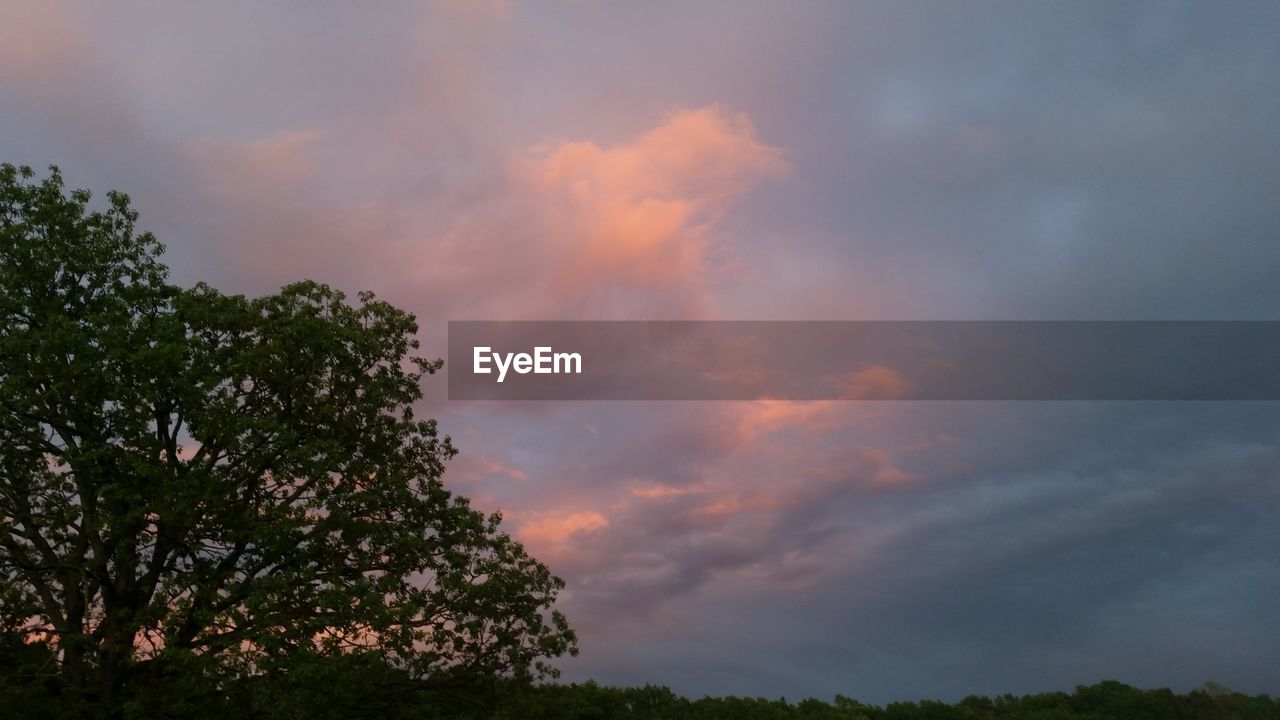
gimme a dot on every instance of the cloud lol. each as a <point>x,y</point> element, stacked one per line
<point>769,416</point>
<point>703,157</point>
<point>473,467</point>
<point>565,229</point>
<point>618,230</point>
<point>557,529</point>
<point>754,488</point>
<point>40,42</point>
<point>874,382</point>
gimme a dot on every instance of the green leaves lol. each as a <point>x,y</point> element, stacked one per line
<point>196,480</point>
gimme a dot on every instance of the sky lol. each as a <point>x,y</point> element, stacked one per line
<point>763,161</point>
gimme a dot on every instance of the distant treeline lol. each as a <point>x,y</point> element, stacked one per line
<point>352,687</point>
<point>1105,700</point>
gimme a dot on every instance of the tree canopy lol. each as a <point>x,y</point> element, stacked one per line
<point>196,485</point>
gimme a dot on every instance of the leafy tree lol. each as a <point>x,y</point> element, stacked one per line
<point>29,686</point>
<point>197,488</point>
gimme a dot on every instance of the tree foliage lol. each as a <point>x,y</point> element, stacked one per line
<point>1108,700</point>
<point>200,487</point>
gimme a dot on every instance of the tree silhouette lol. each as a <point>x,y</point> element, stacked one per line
<point>203,487</point>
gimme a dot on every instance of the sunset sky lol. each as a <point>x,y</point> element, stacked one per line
<point>764,161</point>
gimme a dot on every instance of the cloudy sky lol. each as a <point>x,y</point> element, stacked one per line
<point>733,160</point>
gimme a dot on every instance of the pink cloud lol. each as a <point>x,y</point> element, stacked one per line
<point>657,492</point>
<point>874,382</point>
<point>619,230</point>
<point>471,467</point>
<point>565,229</point>
<point>551,529</point>
<point>735,500</point>
<point>703,157</point>
<point>639,214</point>
<point>764,417</point>
<point>39,40</point>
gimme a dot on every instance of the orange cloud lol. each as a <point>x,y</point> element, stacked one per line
<point>638,215</point>
<point>283,160</point>
<point>557,529</point>
<point>39,41</point>
<point>658,492</point>
<point>702,157</point>
<point>469,467</point>
<point>561,230</point>
<point>769,416</point>
<point>874,382</point>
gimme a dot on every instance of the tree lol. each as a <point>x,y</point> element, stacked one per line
<point>198,485</point>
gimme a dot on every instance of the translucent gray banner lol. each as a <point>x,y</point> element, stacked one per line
<point>821,360</point>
